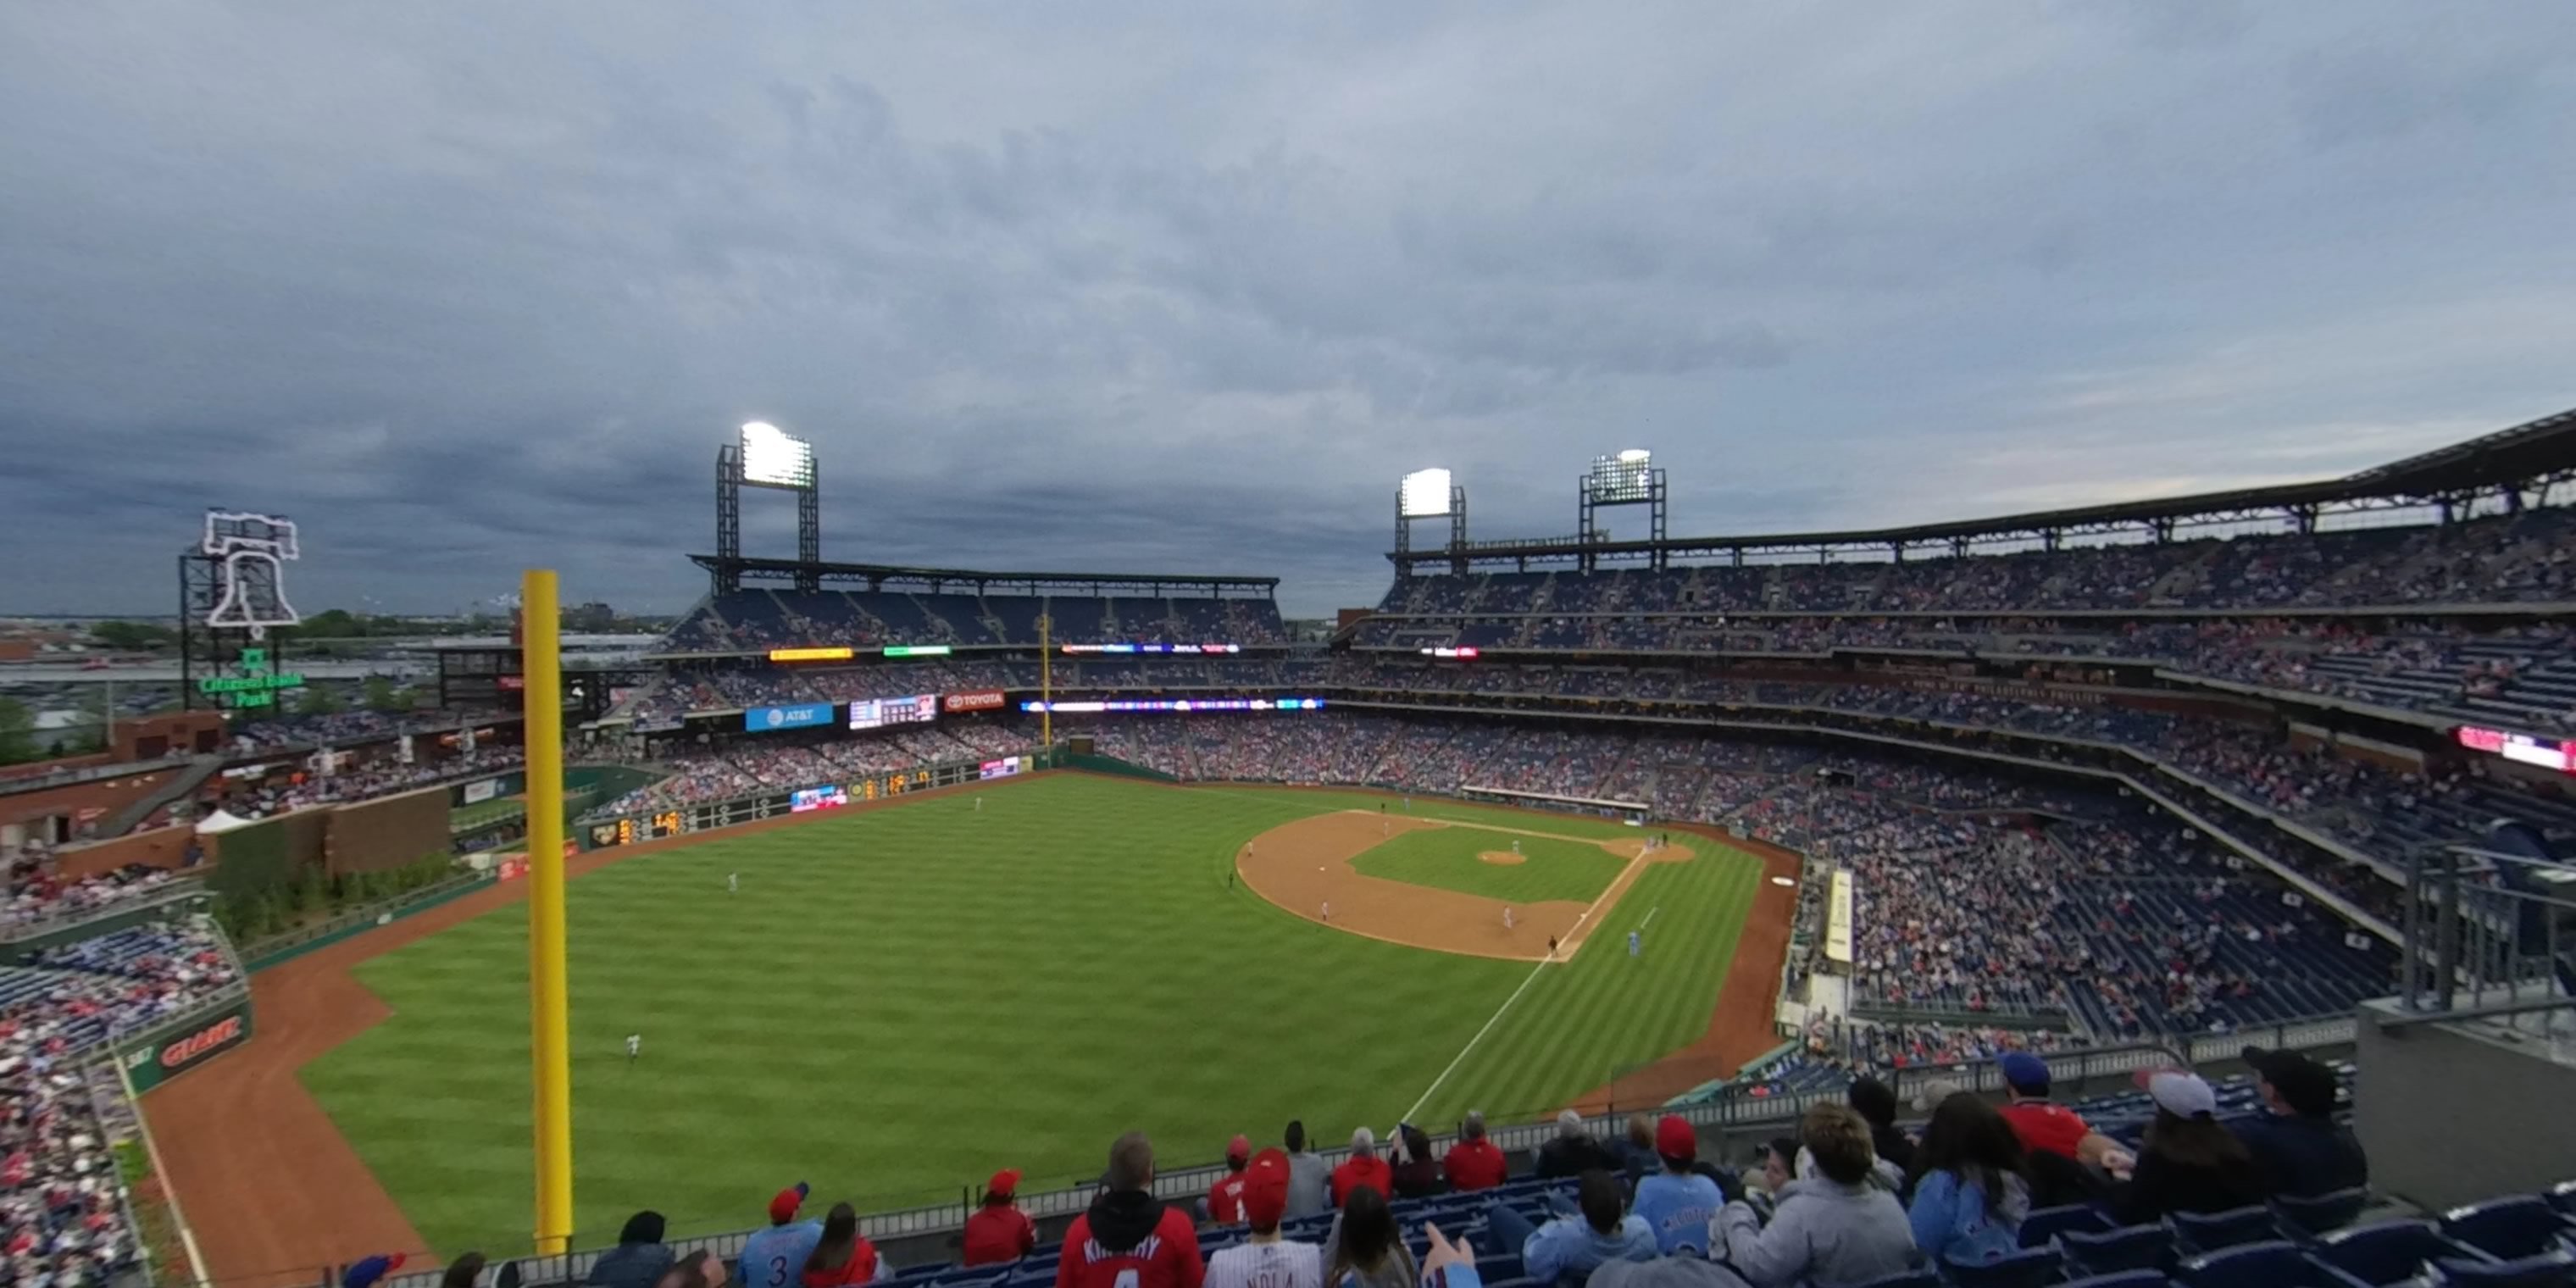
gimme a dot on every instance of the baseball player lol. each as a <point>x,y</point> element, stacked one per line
<point>979,804</point>
<point>1507,919</point>
<point>1328,912</point>
<point>733,883</point>
<point>634,1046</point>
<point>1633,942</point>
<point>1551,945</point>
<point>1516,847</point>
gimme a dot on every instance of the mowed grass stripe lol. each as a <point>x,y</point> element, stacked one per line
<point>899,1001</point>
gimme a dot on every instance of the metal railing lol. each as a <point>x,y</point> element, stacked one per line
<point>179,891</point>
<point>1739,1110</point>
<point>2489,934</point>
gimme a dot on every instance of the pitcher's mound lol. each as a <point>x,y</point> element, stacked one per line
<point>1503,857</point>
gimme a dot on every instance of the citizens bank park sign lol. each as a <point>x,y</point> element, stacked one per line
<point>174,1051</point>
<point>980,700</point>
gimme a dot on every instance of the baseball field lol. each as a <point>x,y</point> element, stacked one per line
<point>896,1001</point>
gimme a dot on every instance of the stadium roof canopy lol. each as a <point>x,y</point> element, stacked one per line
<point>2502,463</point>
<point>936,580</point>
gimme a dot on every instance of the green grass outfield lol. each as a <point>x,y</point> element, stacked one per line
<point>901,1000</point>
<point>1576,871</point>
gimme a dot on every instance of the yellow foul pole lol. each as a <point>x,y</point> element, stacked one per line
<point>549,1009</point>
<point>1046,685</point>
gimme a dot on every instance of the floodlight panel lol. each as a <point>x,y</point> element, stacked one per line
<point>1426,494</point>
<point>1628,476</point>
<point>772,458</point>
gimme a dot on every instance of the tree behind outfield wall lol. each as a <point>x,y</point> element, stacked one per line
<point>17,733</point>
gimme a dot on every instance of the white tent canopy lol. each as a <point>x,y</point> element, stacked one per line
<point>220,821</point>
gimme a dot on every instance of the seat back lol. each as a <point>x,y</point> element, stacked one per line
<point>2323,1212</point>
<point>2028,1268</point>
<point>2507,1229</point>
<point>2386,1252</point>
<point>2275,1264</point>
<point>2042,1227</point>
<point>2133,1247</point>
<point>2124,1279</point>
<point>2553,1269</point>
<point>1906,1279</point>
<point>2223,1229</point>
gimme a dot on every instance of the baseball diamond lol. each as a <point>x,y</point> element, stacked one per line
<point>900,998</point>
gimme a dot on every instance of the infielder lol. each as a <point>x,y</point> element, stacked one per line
<point>1328,912</point>
<point>1507,920</point>
<point>1516,847</point>
<point>634,1046</point>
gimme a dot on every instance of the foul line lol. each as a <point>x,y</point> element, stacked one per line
<point>1650,916</point>
<point>1471,1042</point>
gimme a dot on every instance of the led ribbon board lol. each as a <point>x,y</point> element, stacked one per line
<point>1178,706</point>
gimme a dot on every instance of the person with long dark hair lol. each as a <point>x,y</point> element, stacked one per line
<point>2189,1162</point>
<point>844,1256</point>
<point>1365,1250</point>
<point>1975,1187</point>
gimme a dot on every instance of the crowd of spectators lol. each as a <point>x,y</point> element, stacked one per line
<point>753,768</point>
<point>755,620</point>
<point>37,893</point>
<point>283,792</point>
<point>2517,559</point>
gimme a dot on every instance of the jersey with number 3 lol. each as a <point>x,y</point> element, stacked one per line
<point>775,1257</point>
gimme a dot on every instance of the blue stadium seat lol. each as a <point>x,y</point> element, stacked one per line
<point>2562,1196</point>
<point>2131,1247</point>
<point>2028,1268</point>
<point>2274,1264</point>
<point>1907,1279</point>
<point>2508,1229</point>
<point>2223,1229</point>
<point>2124,1279</point>
<point>2042,1227</point>
<point>2315,1216</point>
<point>2554,1269</point>
<point>2387,1252</point>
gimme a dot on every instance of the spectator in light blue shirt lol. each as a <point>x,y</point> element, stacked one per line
<point>775,1257</point>
<point>1677,1203</point>
<point>1969,1204</point>
<point>1572,1245</point>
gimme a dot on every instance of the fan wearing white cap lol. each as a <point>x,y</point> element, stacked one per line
<point>2189,1161</point>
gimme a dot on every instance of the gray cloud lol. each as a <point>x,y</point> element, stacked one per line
<point>468,287</point>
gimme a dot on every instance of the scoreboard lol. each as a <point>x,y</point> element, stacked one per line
<point>877,713</point>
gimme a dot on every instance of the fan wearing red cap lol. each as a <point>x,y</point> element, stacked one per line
<point>775,1257</point>
<point>1267,1261</point>
<point>999,1231</point>
<point>1677,1202</point>
<point>1225,1198</point>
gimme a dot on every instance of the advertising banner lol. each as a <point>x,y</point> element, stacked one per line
<point>1003,768</point>
<point>804,715</point>
<point>877,713</point>
<point>979,700</point>
<point>165,1054</point>
<point>828,797</point>
<point>477,793</point>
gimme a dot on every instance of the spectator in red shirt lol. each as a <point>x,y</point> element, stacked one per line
<point>1129,1239</point>
<point>1225,1198</point>
<point>1363,1167</point>
<point>2046,1126</point>
<point>1475,1163</point>
<point>844,1256</point>
<point>999,1231</point>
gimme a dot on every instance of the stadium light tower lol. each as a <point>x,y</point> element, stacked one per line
<point>1430,494</point>
<point>1629,478</point>
<point>763,455</point>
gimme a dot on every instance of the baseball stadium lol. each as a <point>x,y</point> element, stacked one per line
<point>913,888</point>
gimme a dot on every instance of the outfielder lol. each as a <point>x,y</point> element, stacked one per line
<point>733,883</point>
<point>634,1046</point>
<point>1633,942</point>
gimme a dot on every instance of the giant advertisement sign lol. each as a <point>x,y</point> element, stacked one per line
<point>877,713</point>
<point>2523,748</point>
<point>804,715</point>
<point>979,700</point>
<point>171,1052</point>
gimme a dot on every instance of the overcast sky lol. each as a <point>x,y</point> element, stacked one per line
<point>466,287</point>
